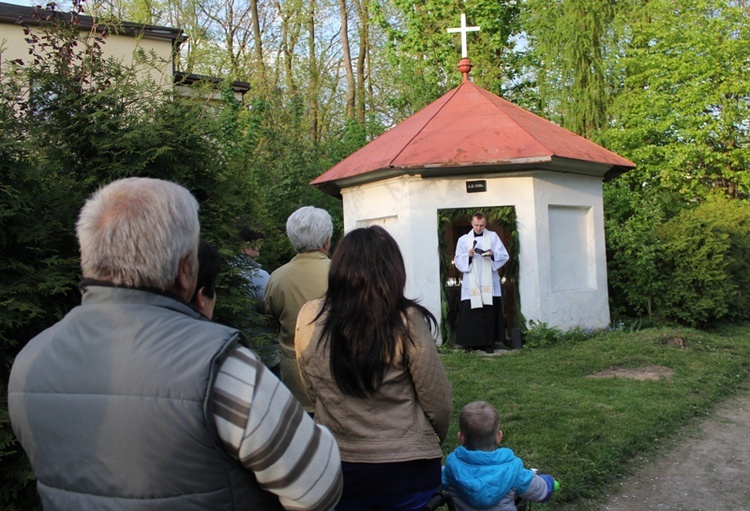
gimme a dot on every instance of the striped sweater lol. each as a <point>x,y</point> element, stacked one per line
<point>264,427</point>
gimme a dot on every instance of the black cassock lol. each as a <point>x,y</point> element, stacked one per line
<point>481,328</point>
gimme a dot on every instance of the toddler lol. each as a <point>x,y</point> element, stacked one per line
<point>479,475</point>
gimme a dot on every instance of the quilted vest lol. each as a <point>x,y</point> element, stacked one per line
<point>111,405</point>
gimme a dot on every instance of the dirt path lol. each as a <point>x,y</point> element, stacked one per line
<point>707,470</point>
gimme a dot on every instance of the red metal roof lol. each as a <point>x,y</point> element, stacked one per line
<point>468,127</point>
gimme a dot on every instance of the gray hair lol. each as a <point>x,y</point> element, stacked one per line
<point>134,232</point>
<point>309,229</point>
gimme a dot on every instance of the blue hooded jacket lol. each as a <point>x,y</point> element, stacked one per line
<point>482,478</point>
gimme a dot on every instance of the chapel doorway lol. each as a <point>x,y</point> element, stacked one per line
<point>453,224</point>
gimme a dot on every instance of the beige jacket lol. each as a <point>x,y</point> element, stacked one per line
<point>303,278</point>
<point>407,418</point>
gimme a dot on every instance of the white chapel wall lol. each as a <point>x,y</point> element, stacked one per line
<point>549,208</point>
<point>572,253</point>
<point>407,207</point>
<point>401,206</point>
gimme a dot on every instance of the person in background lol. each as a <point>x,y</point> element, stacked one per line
<point>258,277</point>
<point>204,296</point>
<point>371,368</point>
<point>135,400</point>
<point>261,333</point>
<point>479,475</point>
<point>304,278</point>
<point>479,255</point>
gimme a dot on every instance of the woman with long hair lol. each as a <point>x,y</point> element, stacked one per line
<point>369,363</point>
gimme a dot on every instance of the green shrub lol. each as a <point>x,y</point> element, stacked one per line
<point>70,122</point>
<point>539,334</point>
<point>632,252</point>
<point>705,262</point>
<point>675,263</point>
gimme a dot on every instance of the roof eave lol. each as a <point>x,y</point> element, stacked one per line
<point>25,15</point>
<point>616,171</point>
<point>190,79</point>
<point>602,171</point>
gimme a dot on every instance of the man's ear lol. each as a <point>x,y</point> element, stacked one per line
<point>200,300</point>
<point>186,277</point>
<point>499,437</point>
<point>461,438</point>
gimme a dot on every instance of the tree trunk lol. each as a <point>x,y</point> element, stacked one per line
<point>364,51</point>
<point>350,85</point>
<point>258,44</point>
<point>290,32</point>
<point>314,82</point>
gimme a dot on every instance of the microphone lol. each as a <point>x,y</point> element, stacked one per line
<point>477,250</point>
<point>480,251</point>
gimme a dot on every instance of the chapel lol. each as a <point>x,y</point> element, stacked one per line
<point>471,150</point>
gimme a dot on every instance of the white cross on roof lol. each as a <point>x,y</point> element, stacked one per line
<point>463,29</point>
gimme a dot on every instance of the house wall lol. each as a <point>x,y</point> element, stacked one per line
<point>122,47</point>
<point>562,266</point>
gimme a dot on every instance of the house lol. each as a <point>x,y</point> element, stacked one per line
<point>124,42</point>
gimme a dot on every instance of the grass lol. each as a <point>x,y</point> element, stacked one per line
<point>587,431</point>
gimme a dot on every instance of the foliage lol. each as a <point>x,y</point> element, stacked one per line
<point>281,162</point>
<point>17,480</point>
<point>423,55</point>
<point>71,121</point>
<point>633,250</point>
<point>681,265</point>
<point>539,334</point>
<point>682,113</point>
<point>705,259</point>
<point>572,41</point>
<point>584,430</point>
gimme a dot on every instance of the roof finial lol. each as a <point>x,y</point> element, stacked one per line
<point>464,65</point>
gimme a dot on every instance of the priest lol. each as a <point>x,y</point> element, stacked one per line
<point>479,255</point>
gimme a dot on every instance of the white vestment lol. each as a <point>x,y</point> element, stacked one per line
<point>480,279</point>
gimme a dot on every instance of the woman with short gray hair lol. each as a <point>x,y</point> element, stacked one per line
<point>309,229</point>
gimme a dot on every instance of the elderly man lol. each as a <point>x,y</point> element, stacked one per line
<point>479,254</point>
<point>135,401</point>
<point>302,279</point>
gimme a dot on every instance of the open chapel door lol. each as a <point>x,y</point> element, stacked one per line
<point>452,225</point>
